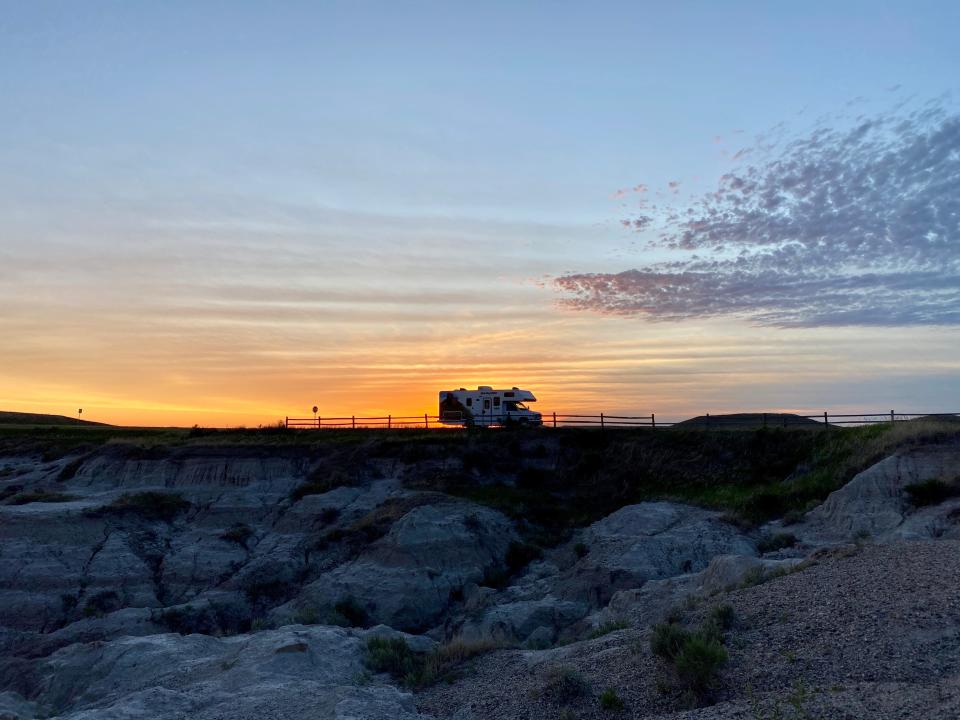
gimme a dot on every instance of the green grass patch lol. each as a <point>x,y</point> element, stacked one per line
<point>610,701</point>
<point>416,670</point>
<point>694,658</point>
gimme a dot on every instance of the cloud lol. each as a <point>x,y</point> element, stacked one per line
<point>851,226</point>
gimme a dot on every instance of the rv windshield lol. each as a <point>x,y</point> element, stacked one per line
<point>512,405</point>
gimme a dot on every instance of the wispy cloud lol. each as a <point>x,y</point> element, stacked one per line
<point>851,226</point>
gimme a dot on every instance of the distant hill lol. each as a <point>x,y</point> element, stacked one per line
<point>21,418</point>
<point>748,420</point>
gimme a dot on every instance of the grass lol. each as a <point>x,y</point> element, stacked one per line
<point>610,701</point>
<point>322,480</point>
<point>777,541</point>
<point>607,628</point>
<point>418,670</point>
<point>552,481</point>
<point>150,505</point>
<point>40,496</point>
<point>562,685</point>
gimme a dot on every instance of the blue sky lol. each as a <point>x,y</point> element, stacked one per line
<point>260,180</point>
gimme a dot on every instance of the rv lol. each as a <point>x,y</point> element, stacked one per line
<point>485,406</point>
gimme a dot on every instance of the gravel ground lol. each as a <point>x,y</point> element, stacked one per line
<point>863,632</point>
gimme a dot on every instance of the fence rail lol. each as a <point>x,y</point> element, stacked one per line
<point>603,420</point>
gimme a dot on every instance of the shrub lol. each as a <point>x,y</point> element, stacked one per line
<point>147,505</point>
<point>495,577</point>
<point>238,534</point>
<point>777,541</point>
<point>68,602</point>
<point>580,550</point>
<point>695,658</point>
<point>698,663</point>
<point>667,640</point>
<point>353,612</point>
<point>563,684</point>
<point>205,619</point>
<point>610,701</point>
<point>68,471</point>
<point>322,479</point>
<point>329,515</point>
<point>269,591</point>
<point>519,555</point>
<point>722,616</point>
<point>102,603</point>
<point>931,492</point>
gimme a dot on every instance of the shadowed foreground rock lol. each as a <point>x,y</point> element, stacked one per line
<point>154,582</point>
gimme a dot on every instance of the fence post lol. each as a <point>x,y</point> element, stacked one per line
<point>891,416</point>
<point>826,421</point>
<point>389,421</point>
<point>286,422</point>
<point>319,422</point>
<point>353,422</point>
<point>601,421</point>
<point>426,422</point>
<point>708,420</point>
<point>653,420</point>
<point>554,419</point>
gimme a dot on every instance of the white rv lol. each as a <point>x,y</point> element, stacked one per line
<point>485,406</point>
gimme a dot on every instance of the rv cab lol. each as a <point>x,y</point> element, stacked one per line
<point>486,406</point>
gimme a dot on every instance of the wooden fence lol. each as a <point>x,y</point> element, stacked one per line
<point>603,420</point>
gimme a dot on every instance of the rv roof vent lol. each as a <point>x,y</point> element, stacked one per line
<point>484,387</point>
<point>463,388</point>
<point>514,388</point>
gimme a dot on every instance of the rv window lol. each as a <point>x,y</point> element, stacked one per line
<point>469,402</point>
<point>509,393</point>
<point>496,402</point>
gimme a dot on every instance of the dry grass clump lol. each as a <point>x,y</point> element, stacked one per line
<point>562,685</point>
<point>418,670</point>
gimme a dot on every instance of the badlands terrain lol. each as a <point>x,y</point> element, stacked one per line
<point>685,573</point>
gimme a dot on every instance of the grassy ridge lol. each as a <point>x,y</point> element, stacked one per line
<point>549,480</point>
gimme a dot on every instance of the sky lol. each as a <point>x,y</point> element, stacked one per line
<point>224,213</point>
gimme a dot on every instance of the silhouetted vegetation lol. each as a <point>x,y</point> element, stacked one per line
<point>416,670</point>
<point>777,541</point>
<point>41,496</point>
<point>932,492</point>
<point>694,658</point>
<point>101,603</point>
<point>150,505</point>
<point>238,534</point>
<point>352,613</point>
<point>563,685</point>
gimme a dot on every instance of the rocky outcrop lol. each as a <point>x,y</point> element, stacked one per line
<point>293,672</point>
<point>876,503</point>
<point>406,578</point>
<point>634,547</point>
<point>655,600</point>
